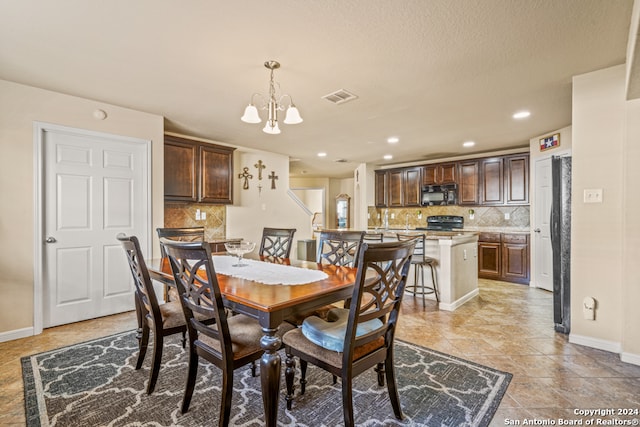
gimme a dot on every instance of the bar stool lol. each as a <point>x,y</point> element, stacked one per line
<point>419,261</point>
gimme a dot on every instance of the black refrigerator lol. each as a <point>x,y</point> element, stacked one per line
<point>561,241</point>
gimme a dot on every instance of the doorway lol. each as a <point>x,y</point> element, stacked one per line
<point>90,187</point>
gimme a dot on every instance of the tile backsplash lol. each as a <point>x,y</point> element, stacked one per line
<point>184,215</point>
<point>484,216</point>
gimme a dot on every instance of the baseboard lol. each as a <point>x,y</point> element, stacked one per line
<point>611,346</point>
<point>457,303</point>
<point>14,335</point>
<point>630,358</point>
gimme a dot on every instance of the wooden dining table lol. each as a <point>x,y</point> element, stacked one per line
<point>271,305</point>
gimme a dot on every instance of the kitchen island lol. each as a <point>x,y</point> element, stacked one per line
<point>456,255</point>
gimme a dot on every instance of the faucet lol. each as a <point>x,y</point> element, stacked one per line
<point>406,222</point>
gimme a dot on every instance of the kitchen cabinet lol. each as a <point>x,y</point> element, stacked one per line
<point>515,258</point>
<point>381,188</point>
<point>197,172</point>
<point>516,179</point>
<point>441,173</point>
<point>412,188</point>
<point>491,181</point>
<point>468,182</point>
<point>504,256</point>
<point>489,259</point>
<point>394,188</point>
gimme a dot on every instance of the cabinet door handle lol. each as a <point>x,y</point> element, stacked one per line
<point>536,230</point>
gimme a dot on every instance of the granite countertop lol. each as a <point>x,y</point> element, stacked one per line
<point>513,230</point>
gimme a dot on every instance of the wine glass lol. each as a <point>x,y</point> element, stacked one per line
<point>239,249</point>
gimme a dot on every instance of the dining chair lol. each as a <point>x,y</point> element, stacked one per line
<point>276,242</point>
<point>183,234</point>
<point>163,319</point>
<point>373,237</point>
<point>419,261</point>
<point>339,247</point>
<point>233,341</point>
<point>353,340</point>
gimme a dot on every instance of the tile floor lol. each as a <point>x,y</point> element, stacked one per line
<point>508,327</point>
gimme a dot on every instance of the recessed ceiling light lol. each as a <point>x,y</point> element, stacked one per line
<point>393,140</point>
<point>468,144</point>
<point>322,154</point>
<point>521,115</point>
<point>388,157</point>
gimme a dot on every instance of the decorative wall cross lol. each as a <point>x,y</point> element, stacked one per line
<point>273,178</point>
<point>260,166</point>
<point>246,176</point>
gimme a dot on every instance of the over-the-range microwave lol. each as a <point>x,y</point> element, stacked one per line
<point>444,194</point>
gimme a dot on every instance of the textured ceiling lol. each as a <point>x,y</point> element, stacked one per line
<point>434,73</point>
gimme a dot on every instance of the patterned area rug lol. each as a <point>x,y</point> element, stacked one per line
<point>95,384</point>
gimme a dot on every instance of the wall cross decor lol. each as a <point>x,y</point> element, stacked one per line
<point>246,176</point>
<point>260,166</point>
<point>273,178</point>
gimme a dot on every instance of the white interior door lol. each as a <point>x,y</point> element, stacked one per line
<point>543,274</point>
<point>95,186</point>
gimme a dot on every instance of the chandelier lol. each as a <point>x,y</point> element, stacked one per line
<point>273,104</point>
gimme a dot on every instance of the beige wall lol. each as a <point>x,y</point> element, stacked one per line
<point>604,245</point>
<point>20,106</point>
<point>253,210</point>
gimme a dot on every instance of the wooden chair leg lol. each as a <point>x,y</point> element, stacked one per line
<point>156,361</point>
<point>347,402</point>
<point>380,371</point>
<point>191,380</point>
<point>143,343</point>
<point>225,401</point>
<point>303,375</point>
<point>392,386</point>
<point>289,377</point>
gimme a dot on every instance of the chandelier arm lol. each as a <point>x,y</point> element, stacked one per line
<point>263,100</point>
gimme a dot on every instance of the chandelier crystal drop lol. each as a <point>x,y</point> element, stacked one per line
<point>273,104</point>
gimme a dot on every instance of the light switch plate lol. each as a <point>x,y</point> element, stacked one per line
<point>593,195</point>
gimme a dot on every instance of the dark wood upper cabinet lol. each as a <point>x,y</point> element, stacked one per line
<point>468,182</point>
<point>492,181</point>
<point>441,173</point>
<point>516,179</point>
<point>216,166</point>
<point>412,186</point>
<point>381,188</point>
<point>197,172</point>
<point>489,181</point>
<point>181,170</point>
<point>394,189</point>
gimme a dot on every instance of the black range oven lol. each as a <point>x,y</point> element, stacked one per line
<point>443,223</point>
<point>435,195</point>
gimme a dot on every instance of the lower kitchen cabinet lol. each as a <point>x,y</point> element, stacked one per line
<point>504,256</point>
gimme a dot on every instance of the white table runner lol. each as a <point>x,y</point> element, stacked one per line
<point>266,272</point>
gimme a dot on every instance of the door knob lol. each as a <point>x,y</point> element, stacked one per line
<point>51,240</point>
<point>536,230</point>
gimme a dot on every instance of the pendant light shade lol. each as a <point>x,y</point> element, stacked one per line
<point>251,115</point>
<point>293,116</point>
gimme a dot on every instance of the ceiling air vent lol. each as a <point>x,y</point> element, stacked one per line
<point>340,160</point>
<point>340,96</point>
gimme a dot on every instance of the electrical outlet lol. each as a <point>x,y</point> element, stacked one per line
<point>593,195</point>
<point>203,215</point>
<point>507,215</point>
<point>197,214</point>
